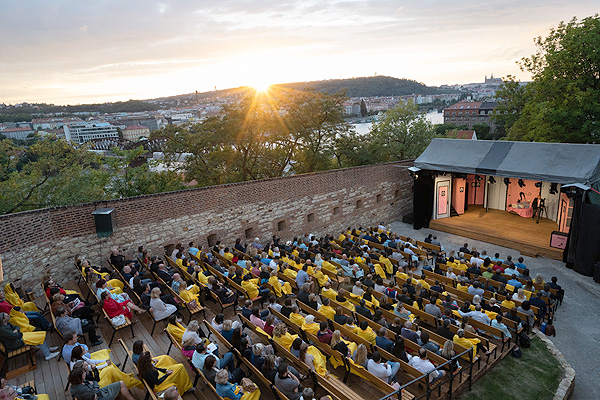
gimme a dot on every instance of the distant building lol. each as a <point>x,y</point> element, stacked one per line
<point>470,113</point>
<point>17,133</point>
<point>52,123</point>
<point>456,134</point>
<point>81,132</point>
<point>134,132</point>
<point>151,123</point>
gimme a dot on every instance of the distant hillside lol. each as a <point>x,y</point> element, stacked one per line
<point>26,113</point>
<point>367,86</point>
<point>355,87</point>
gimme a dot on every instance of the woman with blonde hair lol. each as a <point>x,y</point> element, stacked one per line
<point>192,331</point>
<point>539,280</point>
<point>160,309</point>
<point>519,296</point>
<point>345,347</point>
<point>282,336</point>
<point>360,355</point>
<point>448,353</point>
<point>232,391</point>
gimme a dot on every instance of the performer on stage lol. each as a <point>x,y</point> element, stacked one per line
<point>538,206</point>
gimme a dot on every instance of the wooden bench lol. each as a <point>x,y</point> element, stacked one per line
<point>330,383</point>
<point>405,367</point>
<point>276,392</point>
<point>28,351</point>
<point>191,308</point>
<point>127,324</point>
<point>149,391</point>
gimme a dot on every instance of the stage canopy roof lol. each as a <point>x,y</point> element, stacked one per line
<point>550,162</point>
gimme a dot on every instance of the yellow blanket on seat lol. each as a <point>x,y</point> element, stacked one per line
<point>111,374</point>
<point>19,319</point>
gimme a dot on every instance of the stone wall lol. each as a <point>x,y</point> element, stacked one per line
<point>40,242</point>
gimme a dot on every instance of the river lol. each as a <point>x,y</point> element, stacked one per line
<point>434,117</point>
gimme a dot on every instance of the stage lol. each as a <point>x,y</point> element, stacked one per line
<point>504,229</point>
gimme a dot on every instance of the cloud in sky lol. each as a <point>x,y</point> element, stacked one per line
<point>70,52</point>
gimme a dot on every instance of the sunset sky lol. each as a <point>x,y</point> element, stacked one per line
<point>69,52</point>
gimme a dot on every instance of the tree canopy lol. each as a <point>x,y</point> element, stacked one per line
<point>52,173</point>
<point>401,134</point>
<point>562,103</point>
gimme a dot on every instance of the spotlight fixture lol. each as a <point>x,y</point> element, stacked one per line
<point>521,183</point>
<point>553,188</point>
<point>492,180</point>
<point>507,181</point>
<point>538,184</point>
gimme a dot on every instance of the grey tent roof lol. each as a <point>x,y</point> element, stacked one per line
<point>551,162</point>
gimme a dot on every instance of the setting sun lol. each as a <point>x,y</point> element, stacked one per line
<point>262,86</point>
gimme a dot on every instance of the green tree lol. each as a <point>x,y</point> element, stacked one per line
<point>196,149</point>
<point>48,173</point>
<point>314,120</point>
<point>363,108</point>
<point>131,176</point>
<point>483,131</point>
<point>442,129</point>
<point>402,134</point>
<point>561,104</point>
<point>511,98</point>
<point>350,150</point>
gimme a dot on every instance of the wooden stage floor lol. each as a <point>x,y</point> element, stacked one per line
<point>504,229</point>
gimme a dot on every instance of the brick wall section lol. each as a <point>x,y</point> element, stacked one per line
<point>39,242</point>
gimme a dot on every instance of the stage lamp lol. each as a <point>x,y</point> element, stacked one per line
<point>507,181</point>
<point>553,188</point>
<point>492,180</point>
<point>538,184</point>
<point>521,183</point>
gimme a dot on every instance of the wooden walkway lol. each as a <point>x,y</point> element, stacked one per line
<point>51,376</point>
<point>504,229</point>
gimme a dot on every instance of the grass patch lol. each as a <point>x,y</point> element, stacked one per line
<point>534,376</point>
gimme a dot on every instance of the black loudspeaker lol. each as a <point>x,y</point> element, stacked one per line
<point>104,221</point>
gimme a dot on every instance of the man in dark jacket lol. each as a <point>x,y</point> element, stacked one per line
<point>362,310</point>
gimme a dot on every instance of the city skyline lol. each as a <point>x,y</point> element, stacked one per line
<point>67,53</point>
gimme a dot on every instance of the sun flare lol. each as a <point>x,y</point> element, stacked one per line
<point>261,86</point>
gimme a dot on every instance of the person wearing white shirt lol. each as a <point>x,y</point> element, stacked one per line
<point>400,258</point>
<point>386,371</point>
<point>274,304</point>
<point>498,324</point>
<point>475,259</point>
<point>357,289</point>
<point>423,365</point>
<point>380,288</point>
<point>450,274</point>
<point>477,315</point>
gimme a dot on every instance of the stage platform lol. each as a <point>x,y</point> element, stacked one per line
<point>504,229</point>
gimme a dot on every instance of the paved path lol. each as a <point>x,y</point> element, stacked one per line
<point>577,319</point>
